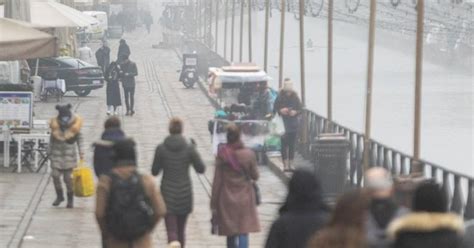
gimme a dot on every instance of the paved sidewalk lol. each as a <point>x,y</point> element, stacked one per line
<point>156,84</point>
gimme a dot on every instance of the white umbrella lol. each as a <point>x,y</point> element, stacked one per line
<point>50,14</point>
<point>19,40</point>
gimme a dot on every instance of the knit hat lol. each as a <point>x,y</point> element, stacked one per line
<point>287,85</point>
<point>124,152</point>
<point>429,197</point>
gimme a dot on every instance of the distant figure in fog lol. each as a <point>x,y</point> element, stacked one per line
<point>382,209</point>
<point>112,77</point>
<point>102,55</point>
<point>288,106</point>
<point>302,215</point>
<point>128,72</point>
<point>430,224</point>
<point>123,51</point>
<point>66,139</point>
<point>103,152</point>
<point>233,201</point>
<point>346,227</point>
<point>85,53</point>
<point>148,20</point>
<point>174,157</point>
<point>262,108</point>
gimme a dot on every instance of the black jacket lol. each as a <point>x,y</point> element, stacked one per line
<point>301,216</point>
<point>291,102</point>
<point>427,230</point>
<point>102,55</point>
<point>123,51</point>
<point>103,153</point>
<point>129,72</point>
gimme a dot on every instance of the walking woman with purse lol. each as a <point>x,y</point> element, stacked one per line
<point>233,200</point>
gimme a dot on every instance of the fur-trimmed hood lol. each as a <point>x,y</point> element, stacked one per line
<point>425,222</point>
<point>74,127</point>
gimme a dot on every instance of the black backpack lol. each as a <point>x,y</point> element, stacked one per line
<point>129,213</point>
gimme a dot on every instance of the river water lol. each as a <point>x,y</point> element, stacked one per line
<point>448,92</point>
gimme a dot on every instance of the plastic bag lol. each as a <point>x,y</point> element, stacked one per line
<point>83,180</point>
<point>278,126</point>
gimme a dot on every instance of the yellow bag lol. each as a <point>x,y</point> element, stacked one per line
<point>83,180</point>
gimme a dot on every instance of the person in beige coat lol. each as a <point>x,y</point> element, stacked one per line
<point>233,201</point>
<point>124,168</point>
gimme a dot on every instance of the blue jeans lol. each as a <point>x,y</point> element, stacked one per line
<point>238,241</point>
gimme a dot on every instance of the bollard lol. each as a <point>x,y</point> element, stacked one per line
<point>331,153</point>
<point>36,87</point>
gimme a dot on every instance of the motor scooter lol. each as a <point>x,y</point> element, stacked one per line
<point>189,74</point>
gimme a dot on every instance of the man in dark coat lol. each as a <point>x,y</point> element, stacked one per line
<point>174,157</point>
<point>123,51</point>
<point>102,55</point>
<point>430,224</point>
<point>303,213</point>
<point>262,108</point>
<point>103,151</point>
<point>128,71</point>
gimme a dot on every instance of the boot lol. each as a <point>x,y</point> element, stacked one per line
<point>286,165</point>
<point>70,200</point>
<point>59,197</point>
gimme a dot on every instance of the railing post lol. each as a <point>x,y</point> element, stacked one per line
<point>370,67</point>
<point>417,167</point>
<point>469,209</point>
<point>446,188</point>
<point>302,61</point>
<point>267,23</point>
<point>232,32</point>
<point>225,27</point>
<point>457,201</point>
<point>250,30</point>
<point>329,86</point>
<point>217,26</point>
<point>241,52</point>
<point>282,44</point>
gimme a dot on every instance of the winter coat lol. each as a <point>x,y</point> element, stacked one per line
<point>380,214</point>
<point>303,214</point>
<point>64,145</point>
<point>112,75</point>
<point>102,55</point>
<point>291,102</point>
<point>233,197</point>
<point>468,241</point>
<point>427,230</point>
<point>129,72</point>
<point>103,152</point>
<point>124,50</point>
<point>174,157</point>
<point>102,194</point>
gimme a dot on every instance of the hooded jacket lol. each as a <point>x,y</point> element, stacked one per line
<point>103,152</point>
<point>427,230</point>
<point>303,213</point>
<point>174,157</point>
<point>66,140</point>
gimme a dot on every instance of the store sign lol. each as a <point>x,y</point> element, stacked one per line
<point>16,109</point>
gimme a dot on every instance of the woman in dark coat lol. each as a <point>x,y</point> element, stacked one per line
<point>288,106</point>
<point>103,152</point>
<point>174,157</point>
<point>112,75</point>
<point>302,215</point>
<point>430,224</point>
<point>123,50</point>
<point>233,200</point>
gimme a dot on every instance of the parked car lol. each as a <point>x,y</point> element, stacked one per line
<point>80,76</point>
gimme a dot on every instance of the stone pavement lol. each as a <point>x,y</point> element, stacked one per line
<point>159,95</point>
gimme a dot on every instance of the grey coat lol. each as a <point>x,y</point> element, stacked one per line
<point>174,157</point>
<point>63,155</point>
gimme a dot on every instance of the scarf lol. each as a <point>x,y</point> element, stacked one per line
<point>227,154</point>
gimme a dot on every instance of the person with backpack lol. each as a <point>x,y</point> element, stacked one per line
<point>174,157</point>
<point>103,152</point>
<point>128,204</point>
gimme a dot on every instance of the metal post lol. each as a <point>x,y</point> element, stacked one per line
<point>370,67</point>
<point>210,25</point>
<point>330,47</point>
<point>416,166</point>
<point>267,17</point>
<point>204,22</point>
<point>302,62</point>
<point>225,28</point>
<point>250,30</point>
<point>232,32</point>
<point>217,25</point>
<point>282,43</point>
<point>241,55</point>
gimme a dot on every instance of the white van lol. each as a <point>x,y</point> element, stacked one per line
<point>97,31</point>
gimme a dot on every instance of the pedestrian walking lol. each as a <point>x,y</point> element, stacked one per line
<point>174,157</point>
<point>288,106</point>
<point>102,56</point>
<point>128,204</point>
<point>346,227</point>
<point>128,71</point>
<point>382,209</point>
<point>66,143</point>
<point>112,77</point>
<point>233,200</point>
<point>430,224</point>
<point>85,53</point>
<point>148,21</point>
<point>103,152</point>
<point>302,215</point>
<point>123,51</point>
<point>262,108</point>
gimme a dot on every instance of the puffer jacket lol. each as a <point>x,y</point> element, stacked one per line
<point>64,145</point>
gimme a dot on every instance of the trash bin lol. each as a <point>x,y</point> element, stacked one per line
<point>330,153</point>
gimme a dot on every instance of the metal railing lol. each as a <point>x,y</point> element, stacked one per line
<point>397,162</point>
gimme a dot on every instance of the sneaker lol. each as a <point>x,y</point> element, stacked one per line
<point>109,113</point>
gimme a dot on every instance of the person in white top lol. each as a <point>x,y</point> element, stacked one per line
<point>85,53</point>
